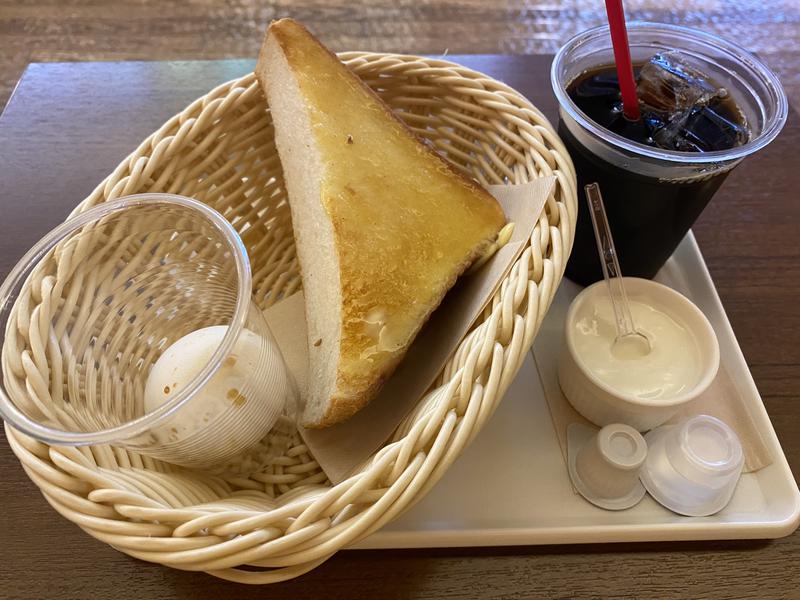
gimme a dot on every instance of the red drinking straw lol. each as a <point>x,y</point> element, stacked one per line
<point>622,56</point>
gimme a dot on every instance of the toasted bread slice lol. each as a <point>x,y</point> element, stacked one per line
<point>383,225</point>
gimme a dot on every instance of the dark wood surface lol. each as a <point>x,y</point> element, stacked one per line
<point>68,125</point>
<point>64,30</point>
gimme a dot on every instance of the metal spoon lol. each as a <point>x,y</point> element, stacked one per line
<point>630,342</point>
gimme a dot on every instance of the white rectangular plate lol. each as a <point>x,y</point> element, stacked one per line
<point>511,487</point>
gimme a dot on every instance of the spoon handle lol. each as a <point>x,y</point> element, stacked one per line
<point>609,261</point>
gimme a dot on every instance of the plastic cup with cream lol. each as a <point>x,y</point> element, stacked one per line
<point>153,341</point>
<point>641,389</point>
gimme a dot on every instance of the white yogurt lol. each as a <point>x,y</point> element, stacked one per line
<point>228,388</point>
<point>672,366</point>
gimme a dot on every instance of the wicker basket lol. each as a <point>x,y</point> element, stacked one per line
<point>289,519</point>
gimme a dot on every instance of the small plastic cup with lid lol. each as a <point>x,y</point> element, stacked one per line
<point>604,465</point>
<point>692,468</point>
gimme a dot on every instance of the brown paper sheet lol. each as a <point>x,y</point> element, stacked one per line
<point>342,448</point>
<point>287,321</point>
<point>721,399</point>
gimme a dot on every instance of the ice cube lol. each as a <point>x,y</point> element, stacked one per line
<point>707,130</point>
<point>653,122</point>
<point>599,86</point>
<point>701,129</point>
<point>669,84</point>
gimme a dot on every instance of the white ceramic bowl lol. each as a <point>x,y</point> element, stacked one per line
<point>603,404</point>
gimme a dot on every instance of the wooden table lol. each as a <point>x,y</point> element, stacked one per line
<point>66,30</point>
<point>68,125</point>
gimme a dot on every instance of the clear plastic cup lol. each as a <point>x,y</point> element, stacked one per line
<point>692,468</point>
<point>653,196</point>
<point>113,289</point>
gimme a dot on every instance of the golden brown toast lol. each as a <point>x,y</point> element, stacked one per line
<point>383,225</point>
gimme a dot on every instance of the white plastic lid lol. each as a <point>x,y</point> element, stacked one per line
<point>693,467</point>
